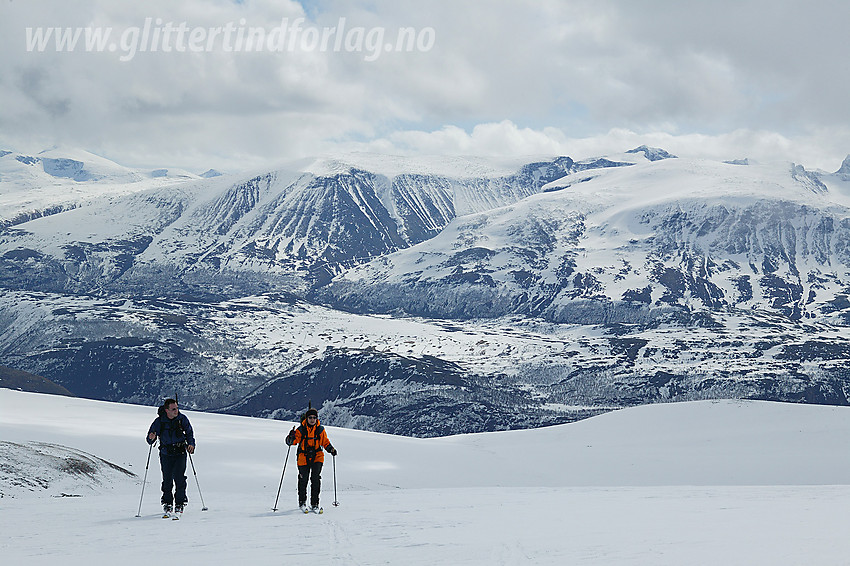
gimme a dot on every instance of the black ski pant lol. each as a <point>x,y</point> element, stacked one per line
<point>312,472</point>
<point>173,476</point>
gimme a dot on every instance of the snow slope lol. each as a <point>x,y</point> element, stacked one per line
<point>611,282</point>
<point>61,179</point>
<point>608,232</point>
<point>726,482</point>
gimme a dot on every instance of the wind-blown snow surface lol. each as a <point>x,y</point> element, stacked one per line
<point>726,482</point>
<point>62,179</point>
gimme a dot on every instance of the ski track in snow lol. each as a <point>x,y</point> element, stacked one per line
<point>704,483</point>
<point>642,525</point>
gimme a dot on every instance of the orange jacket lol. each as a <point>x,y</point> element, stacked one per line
<point>309,440</point>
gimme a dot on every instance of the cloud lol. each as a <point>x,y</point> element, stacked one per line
<point>494,139</point>
<point>497,78</point>
<point>506,139</point>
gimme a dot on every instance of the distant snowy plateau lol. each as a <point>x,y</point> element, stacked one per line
<point>427,296</point>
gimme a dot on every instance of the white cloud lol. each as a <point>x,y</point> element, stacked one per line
<point>748,78</point>
<point>506,139</point>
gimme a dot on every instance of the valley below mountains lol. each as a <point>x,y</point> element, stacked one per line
<point>428,296</point>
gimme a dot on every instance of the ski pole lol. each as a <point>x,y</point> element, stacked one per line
<point>203,506</point>
<point>144,481</point>
<point>285,460</point>
<point>336,503</point>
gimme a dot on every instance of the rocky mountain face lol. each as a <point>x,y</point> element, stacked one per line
<point>455,301</point>
<point>277,225</point>
<point>576,255</point>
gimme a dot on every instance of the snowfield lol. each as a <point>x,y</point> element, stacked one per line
<point>712,482</point>
<point>64,178</point>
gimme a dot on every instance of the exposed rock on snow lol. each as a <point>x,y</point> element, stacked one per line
<point>60,471</point>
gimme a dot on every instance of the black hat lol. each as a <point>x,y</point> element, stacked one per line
<point>311,411</point>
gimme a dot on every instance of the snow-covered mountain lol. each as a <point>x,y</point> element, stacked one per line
<point>487,296</point>
<point>278,223</point>
<point>705,483</point>
<point>60,179</point>
<point>633,242</point>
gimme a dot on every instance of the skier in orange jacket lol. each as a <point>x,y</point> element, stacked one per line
<point>311,439</point>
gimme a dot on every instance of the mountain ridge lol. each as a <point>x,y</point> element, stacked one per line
<point>566,288</point>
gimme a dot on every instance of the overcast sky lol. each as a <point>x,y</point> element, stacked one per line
<point>720,79</point>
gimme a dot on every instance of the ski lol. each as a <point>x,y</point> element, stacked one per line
<point>304,509</point>
<point>172,513</point>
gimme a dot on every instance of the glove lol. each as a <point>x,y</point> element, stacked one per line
<point>332,450</point>
<point>290,438</point>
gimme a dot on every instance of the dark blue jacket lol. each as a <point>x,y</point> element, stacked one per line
<point>172,431</point>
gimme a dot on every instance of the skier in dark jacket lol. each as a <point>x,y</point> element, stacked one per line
<point>176,437</point>
<point>311,438</point>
